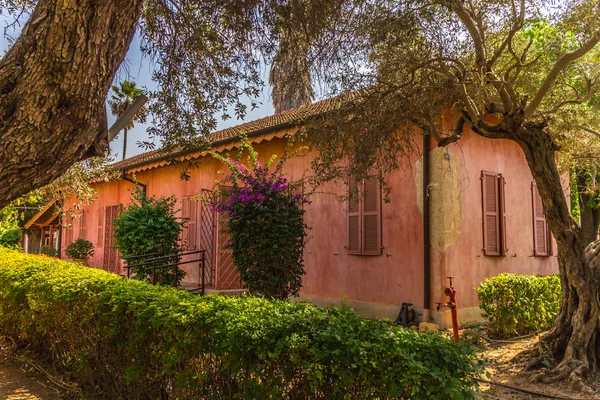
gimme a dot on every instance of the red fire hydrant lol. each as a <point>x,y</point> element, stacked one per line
<point>451,293</point>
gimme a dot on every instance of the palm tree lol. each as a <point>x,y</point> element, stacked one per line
<point>290,76</point>
<point>121,99</point>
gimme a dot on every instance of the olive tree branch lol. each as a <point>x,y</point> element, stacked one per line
<point>558,67</point>
<point>588,130</point>
<point>577,100</point>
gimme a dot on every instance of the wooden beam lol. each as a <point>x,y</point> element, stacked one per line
<point>52,218</point>
<point>39,214</point>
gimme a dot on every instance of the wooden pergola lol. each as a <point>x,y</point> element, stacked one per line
<point>47,221</point>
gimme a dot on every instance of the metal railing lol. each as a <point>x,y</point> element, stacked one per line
<point>166,260</point>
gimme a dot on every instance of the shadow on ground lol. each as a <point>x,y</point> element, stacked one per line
<point>502,369</point>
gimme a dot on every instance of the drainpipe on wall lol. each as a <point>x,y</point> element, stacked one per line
<point>126,178</point>
<point>426,230</point>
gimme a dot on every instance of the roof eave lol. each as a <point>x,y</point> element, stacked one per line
<point>284,125</point>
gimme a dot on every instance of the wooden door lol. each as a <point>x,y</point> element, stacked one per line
<point>228,276</point>
<point>207,238</point>
<point>112,257</point>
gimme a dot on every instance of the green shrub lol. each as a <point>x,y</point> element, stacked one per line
<point>519,304</point>
<point>265,225</point>
<point>127,339</point>
<point>80,249</point>
<point>149,225</point>
<point>48,251</point>
<point>10,237</point>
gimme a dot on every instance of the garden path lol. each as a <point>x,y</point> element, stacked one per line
<point>503,369</point>
<point>17,383</point>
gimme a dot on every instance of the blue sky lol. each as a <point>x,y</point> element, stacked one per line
<point>139,70</point>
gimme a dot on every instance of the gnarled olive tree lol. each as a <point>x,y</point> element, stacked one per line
<point>54,79</point>
<point>519,70</point>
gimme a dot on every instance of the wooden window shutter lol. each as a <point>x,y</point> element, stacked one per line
<point>68,229</point>
<point>82,225</point>
<point>502,200</point>
<point>192,224</point>
<point>189,212</point>
<point>541,237</point>
<point>354,232</point>
<point>491,214</point>
<point>371,226</point>
<point>185,215</point>
<point>100,226</point>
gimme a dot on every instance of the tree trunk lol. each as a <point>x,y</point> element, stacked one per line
<point>124,143</point>
<point>53,85</point>
<point>573,341</point>
<point>590,217</point>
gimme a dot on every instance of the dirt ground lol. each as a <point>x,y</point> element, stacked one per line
<point>501,369</point>
<point>19,383</point>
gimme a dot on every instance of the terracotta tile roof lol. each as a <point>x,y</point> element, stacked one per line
<point>262,125</point>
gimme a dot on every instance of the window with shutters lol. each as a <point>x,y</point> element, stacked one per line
<point>100,236</point>
<point>494,214</point>
<point>189,211</point>
<point>542,239</point>
<point>67,229</point>
<point>83,225</point>
<point>364,217</point>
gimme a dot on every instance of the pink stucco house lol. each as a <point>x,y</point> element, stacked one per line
<point>472,211</point>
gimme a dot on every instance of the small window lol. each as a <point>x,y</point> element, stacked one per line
<point>189,212</point>
<point>542,239</point>
<point>364,218</point>
<point>494,214</point>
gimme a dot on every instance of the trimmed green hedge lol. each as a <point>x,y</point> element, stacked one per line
<point>127,339</point>
<point>519,304</point>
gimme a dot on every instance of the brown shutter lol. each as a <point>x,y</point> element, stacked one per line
<point>82,225</point>
<point>192,224</point>
<point>491,214</point>
<point>68,229</point>
<point>185,215</point>
<point>371,227</point>
<point>354,235</point>
<point>100,226</point>
<point>502,199</point>
<point>541,242</point>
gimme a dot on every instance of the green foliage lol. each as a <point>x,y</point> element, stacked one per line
<point>51,251</point>
<point>575,209</point>
<point>122,338</point>
<point>80,249</point>
<point>10,237</point>
<point>149,225</point>
<point>266,225</point>
<point>10,232</point>
<point>519,304</point>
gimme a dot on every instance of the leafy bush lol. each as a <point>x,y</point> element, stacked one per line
<point>48,251</point>
<point>10,237</point>
<point>519,304</point>
<point>149,225</point>
<point>10,231</point>
<point>266,225</point>
<point>80,249</point>
<point>123,338</point>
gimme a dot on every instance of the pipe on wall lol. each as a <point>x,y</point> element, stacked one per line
<point>426,228</point>
<point>135,182</point>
